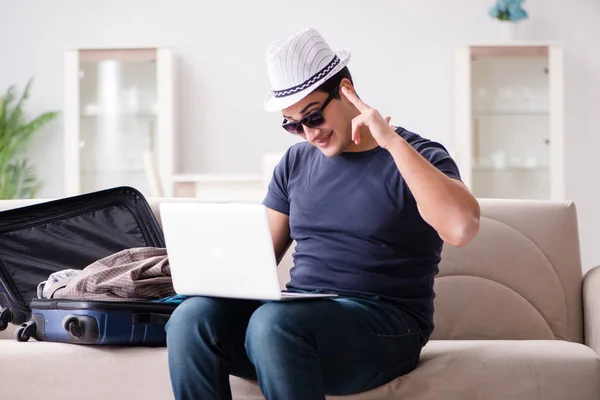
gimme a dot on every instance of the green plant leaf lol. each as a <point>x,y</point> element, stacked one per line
<point>17,112</point>
<point>18,181</point>
<point>1,109</point>
<point>17,177</point>
<point>24,132</point>
<point>4,112</point>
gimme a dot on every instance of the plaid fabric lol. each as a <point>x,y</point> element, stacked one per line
<point>138,274</point>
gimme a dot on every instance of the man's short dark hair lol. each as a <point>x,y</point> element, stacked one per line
<point>332,82</point>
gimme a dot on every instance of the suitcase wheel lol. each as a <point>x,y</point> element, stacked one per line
<point>26,331</point>
<point>75,326</point>
<point>5,318</point>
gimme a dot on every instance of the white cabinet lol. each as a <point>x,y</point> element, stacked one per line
<point>119,127</point>
<point>509,120</point>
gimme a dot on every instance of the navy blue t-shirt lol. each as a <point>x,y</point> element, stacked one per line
<point>357,227</point>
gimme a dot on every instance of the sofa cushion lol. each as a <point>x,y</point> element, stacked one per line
<point>43,370</point>
<point>519,278</point>
<point>447,370</point>
<point>492,370</point>
<point>488,370</point>
<point>8,333</point>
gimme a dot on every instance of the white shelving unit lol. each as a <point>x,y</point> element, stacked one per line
<point>119,123</point>
<point>509,119</point>
<point>228,187</point>
<point>220,188</point>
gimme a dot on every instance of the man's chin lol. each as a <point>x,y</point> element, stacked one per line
<point>330,152</point>
<point>334,149</point>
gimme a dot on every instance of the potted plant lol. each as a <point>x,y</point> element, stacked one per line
<point>17,176</point>
<point>509,12</point>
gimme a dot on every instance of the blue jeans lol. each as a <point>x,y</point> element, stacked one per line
<point>296,350</point>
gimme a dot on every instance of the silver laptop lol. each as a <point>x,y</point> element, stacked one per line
<point>223,250</point>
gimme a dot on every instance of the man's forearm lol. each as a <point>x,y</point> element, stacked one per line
<point>444,203</point>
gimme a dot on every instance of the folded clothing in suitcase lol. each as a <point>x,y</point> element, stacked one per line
<point>71,233</point>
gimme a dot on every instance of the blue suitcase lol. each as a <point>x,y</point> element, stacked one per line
<point>72,233</point>
<point>96,322</point>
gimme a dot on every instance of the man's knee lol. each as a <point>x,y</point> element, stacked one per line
<point>272,326</point>
<point>193,315</point>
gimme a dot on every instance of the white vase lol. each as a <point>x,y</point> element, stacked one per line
<point>508,30</point>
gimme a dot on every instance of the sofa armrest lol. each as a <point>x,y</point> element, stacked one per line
<point>591,308</point>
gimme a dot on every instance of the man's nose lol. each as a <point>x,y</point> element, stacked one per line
<point>311,133</point>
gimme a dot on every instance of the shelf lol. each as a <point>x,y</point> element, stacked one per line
<point>510,113</point>
<point>511,169</point>
<point>135,116</point>
<point>200,178</point>
<point>112,171</point>
<point>501,50</point>
<point>119,117</point>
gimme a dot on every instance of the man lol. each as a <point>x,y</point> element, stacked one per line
<point>368,205</point>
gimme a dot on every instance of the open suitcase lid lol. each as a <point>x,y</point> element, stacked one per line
<point>70,233</point>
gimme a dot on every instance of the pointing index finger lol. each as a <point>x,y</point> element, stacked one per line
<point>350,95</point>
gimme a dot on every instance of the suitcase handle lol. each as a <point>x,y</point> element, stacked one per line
<point>150,318</point>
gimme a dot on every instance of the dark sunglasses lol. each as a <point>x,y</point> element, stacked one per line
<point>313,120</point>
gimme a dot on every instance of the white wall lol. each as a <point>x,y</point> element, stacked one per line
<point>402,64</point>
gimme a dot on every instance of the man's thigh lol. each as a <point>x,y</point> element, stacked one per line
<point>361,343</point>
<point>223,323</point>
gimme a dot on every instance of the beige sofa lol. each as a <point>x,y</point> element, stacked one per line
<point>515,320</point>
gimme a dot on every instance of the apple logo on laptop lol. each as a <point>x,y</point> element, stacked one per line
<point>218,252</point>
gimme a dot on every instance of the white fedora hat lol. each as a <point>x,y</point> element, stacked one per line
<point>298,65</point>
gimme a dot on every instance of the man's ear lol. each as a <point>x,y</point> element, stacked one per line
<point>345,82</point>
